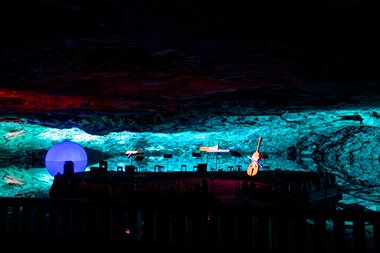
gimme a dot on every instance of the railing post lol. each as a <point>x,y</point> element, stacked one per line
<point>15,228</point>
<point>376,235</point>
<point>139,230</point>
<point>339,234</point>
<point>39,221</point>
<point>320,234</point>
<point>3,221</point>
<point>215,226</point>
<point>280,234</point>
<point>52,222</point>
<point>65,222</point>
<point>301,233</point>
<point>118,225</point>
<point>90,222</point>
<point>25,219</point>
<point>78,223</point>
<point>104,223</point>
<point>261,233</point>
<point>359,234</point>
<point>180,232</point>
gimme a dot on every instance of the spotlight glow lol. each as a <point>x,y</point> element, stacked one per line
<point>65,151</point>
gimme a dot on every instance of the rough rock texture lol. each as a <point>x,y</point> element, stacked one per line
<point>146,63</point>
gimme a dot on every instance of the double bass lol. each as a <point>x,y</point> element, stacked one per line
<point>253,167</point>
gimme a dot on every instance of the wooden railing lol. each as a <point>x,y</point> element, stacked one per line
<point>189,225</point>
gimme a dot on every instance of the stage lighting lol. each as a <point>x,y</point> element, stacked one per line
<point>63,152</point>
<point>166,156</point>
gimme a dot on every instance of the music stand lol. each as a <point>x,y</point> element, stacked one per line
<point>236,154</point>
<point>216,153</point>
<point>131,153</point>
<point>139,159</point>
<point>103,165</point>
<point>167,156</point>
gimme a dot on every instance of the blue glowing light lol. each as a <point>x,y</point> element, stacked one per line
<point>65,151</point>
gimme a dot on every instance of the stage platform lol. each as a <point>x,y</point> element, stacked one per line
<point>276,187</point>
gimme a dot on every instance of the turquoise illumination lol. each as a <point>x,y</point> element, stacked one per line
<point>65,151</point>
<point>344,142</point>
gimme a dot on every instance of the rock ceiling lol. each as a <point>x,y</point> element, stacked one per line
<point>135,65</point>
